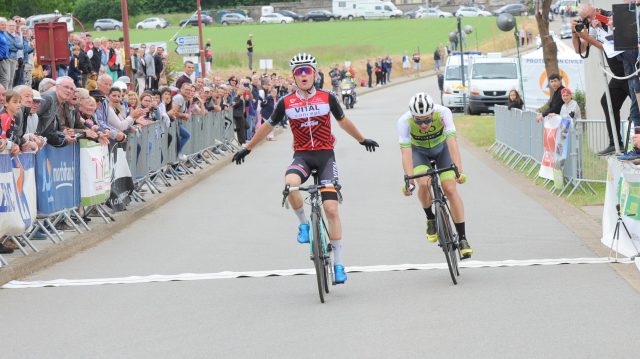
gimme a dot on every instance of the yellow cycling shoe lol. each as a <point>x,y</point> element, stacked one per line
<point>432,233</point>
<point>465,249</point>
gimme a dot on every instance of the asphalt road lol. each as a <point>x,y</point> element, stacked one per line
<point>232,221</point>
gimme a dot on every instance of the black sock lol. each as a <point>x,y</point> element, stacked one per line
<point>460,230</point>
<point>429,213</point>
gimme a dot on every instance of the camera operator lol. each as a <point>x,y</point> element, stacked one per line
<point>588,31</point>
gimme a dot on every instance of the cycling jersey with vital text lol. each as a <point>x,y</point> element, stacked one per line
<point>310,119</point>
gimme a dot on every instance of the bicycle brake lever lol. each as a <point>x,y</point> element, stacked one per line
<point>455,170</point>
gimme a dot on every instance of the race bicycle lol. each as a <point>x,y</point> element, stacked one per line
<point>319,234</point>
<point>447,236</point>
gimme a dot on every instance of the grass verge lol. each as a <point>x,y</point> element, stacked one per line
<point>480,131</point>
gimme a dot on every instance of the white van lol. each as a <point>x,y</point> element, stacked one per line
<point>492,78</point>
<point>452,89</point>
<point>365,9</point>
<point>31,21</point>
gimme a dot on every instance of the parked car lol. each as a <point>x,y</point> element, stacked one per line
<point>193,20</point>
<point>291,14</point>
<point>513,9</point>
<point>471,11</point>
<point>565,31</point>
<point>417,13</point>
<point>320,15</point>
<point>275,18</point>
<point>152,23</point>
<point>539,41</point>
<point>233,18</point>
<point>107,24</point>
<point>436,12</point>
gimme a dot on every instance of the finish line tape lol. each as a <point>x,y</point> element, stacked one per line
<point>308,271</point>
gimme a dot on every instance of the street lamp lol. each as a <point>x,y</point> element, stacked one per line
<point>507,22</point>
<point>453,36</point>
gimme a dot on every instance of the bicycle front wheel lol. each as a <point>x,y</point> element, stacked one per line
<point>318,254</point>
<point>446,241</point>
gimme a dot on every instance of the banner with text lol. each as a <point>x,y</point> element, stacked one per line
<point>17,193</point>
<point>95,173</point>
<point>57,178</point>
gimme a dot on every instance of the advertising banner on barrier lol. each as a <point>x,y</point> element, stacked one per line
<point>623,192</point>
<point>121,180</point>
<point>95,173</point>
<point>556,146</point>
<point>17,192</point>
<point>57,178</point>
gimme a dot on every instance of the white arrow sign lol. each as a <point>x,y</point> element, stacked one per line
<point>188,49</point>
<point>187,40</point>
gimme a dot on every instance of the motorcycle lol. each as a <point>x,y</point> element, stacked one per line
<point>348,95</point>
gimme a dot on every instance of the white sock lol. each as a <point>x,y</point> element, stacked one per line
<point>300,214</point>
<point>337,251</point>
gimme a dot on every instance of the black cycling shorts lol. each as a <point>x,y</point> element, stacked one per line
<point>323,161</point>
<point>422,158</point>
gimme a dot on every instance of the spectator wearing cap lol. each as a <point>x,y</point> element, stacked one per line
<point>52,100</point>
<point>189,69</point>
<point>26,101</point>
<point>31,124</point>
<point>570,108</point>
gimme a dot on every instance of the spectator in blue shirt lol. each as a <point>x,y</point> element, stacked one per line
<point>4,54</point>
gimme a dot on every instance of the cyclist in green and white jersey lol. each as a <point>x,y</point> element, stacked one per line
<point>427,133</point>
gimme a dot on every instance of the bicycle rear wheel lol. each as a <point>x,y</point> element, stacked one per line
<point>446,241</point>
<point>318,255</point>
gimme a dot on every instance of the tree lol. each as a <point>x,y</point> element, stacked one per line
<point>33,7</point>
<point>549,48</point>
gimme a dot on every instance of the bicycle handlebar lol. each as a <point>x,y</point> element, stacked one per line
<point>431,172</point>
<point>311,189</point>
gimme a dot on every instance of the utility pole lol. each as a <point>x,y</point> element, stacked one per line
<point>200,41</point>
<point>127,43</point>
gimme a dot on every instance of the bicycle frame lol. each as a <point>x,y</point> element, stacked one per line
<point>318,242</point>
<point>446,238</point>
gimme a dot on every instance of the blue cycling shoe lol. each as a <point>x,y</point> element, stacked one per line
<point>303,233</point>
<point>341,275</point>
<point>629,156</point>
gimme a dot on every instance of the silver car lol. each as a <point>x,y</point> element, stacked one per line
<point>233,18</point>
<point>107,24</point>
<point>152,23</point>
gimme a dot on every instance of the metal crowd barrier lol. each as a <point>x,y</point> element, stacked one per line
<point>152,154</point>
<point>519,143</point>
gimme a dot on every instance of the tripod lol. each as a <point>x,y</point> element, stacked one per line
<point>616,235</point>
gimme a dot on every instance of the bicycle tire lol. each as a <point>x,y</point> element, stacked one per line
<point>454,251</point>
<point>445,240</point>
<point>328,272</point>
<point>318,255</point>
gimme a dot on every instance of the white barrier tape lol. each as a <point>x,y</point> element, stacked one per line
<point>308,271</point>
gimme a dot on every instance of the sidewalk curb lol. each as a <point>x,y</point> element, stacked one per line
<point>34,262</point>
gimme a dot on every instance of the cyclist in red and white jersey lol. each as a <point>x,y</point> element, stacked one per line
<point>309,111</point>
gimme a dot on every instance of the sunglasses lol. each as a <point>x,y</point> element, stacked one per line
<point>424,121</point>
<point>303,70</point>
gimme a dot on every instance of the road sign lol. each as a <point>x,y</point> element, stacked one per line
<point>187,40</point>
<point>187,50</point>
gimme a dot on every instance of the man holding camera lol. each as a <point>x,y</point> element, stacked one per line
<point>593,29</point>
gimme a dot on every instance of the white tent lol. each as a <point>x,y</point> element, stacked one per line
<point>535,83</point>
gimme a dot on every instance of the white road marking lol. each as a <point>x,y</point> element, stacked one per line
<point>307,271</point>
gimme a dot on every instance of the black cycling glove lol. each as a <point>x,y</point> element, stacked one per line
<point>239,156</point>
<point>370,145</point>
